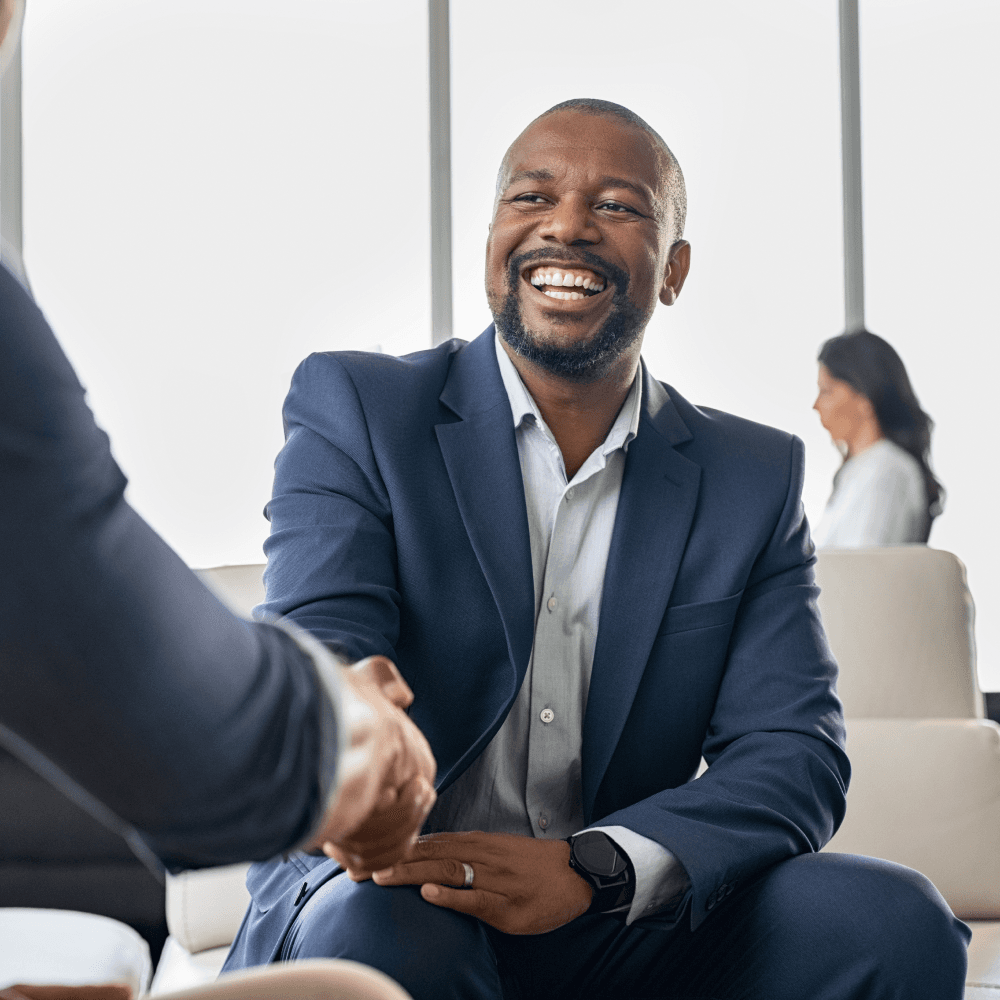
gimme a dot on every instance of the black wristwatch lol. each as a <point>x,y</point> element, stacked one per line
<point>598,860</point>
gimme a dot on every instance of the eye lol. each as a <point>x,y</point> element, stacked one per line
<point>529,199</point>
<point>615,206</point>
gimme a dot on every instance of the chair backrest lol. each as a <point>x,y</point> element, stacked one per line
<point>900,622</point>
<point>240,588</point>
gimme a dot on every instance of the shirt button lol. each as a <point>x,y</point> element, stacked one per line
<point>543,821</point>
<point>551,604</point>
<point>569,494</point>
<point>546,715</point>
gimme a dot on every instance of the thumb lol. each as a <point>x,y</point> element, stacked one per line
<point>385,674</point>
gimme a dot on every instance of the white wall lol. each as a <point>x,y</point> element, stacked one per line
<point>215,188</point>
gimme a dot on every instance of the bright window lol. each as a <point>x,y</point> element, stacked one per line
<point>212,191</point>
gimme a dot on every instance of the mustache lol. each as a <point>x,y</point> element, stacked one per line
<point>581,258</point>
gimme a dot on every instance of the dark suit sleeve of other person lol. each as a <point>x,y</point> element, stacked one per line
<point>203,731</point>
<point>778,774</point>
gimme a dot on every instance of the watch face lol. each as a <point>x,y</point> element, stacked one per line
<point>595,852</point>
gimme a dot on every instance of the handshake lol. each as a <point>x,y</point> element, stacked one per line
<point>385,783</point>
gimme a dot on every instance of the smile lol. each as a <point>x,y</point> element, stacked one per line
<point>557,282</point>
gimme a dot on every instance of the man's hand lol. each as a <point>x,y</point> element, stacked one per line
<point>387,783</point>
<point>521,885</point>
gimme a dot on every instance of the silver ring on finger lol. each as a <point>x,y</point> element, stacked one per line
<point>469,876</point>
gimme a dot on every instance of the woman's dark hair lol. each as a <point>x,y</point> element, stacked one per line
<point>870,366</point>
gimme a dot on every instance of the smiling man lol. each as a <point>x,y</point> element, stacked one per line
<point>589,584</point>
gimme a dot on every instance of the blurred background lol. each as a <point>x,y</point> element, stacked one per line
<point>213,189</point>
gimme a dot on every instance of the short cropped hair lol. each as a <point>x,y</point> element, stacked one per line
<point>672,176</point>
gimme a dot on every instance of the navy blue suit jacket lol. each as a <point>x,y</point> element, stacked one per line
<point>399,527</point>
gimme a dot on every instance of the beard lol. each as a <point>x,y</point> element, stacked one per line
<point>582,362</point>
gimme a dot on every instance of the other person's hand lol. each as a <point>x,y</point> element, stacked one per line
<point>387,783</point>
<point>520,885</point>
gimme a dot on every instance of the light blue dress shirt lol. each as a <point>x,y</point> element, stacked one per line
<point>527,781</point>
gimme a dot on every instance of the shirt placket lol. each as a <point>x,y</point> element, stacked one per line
<point>551,784</point>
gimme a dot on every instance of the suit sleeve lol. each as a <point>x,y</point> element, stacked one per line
<point>120,674</point>
<point>777,777</point>
<point>331,551</point>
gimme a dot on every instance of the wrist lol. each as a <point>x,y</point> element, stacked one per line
<point>605,867</point>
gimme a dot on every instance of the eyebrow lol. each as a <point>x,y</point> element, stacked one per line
<point>542,174</point>
<point>620,182</point>
<point>530,175</point>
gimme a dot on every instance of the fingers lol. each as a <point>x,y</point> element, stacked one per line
<point>387,836</point>
<point>475,902</point>
<point>447,872</point>
<point>387,775</point>
<point>356,872</point>
<point>387,677</point>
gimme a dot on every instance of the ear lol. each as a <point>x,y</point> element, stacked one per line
<point>678,265</point>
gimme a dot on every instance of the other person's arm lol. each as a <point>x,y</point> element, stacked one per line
<point>214,737</point>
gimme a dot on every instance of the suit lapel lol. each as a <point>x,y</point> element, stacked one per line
<point>655,510</point>
<point>480,454</point>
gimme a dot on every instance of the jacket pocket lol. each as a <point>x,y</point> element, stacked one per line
<point>705,614</point>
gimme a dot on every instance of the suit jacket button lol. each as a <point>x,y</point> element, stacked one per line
<point>711,901</point>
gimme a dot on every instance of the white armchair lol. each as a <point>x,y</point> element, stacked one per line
<point>901,623</point>
<point>925,788</point>
<point>204,911</point>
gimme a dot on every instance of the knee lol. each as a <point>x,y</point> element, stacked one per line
<point>876,895</point>
<point>848,904</point>
<point>394,930</point>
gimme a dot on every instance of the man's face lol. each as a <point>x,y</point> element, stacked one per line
<point>579,250</point>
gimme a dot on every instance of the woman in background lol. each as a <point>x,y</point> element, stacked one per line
<point>885,492</point>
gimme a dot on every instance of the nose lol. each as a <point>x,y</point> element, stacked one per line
<point>572,223</point>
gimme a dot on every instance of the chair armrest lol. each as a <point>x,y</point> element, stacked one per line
<point>926,793</point>
<point>205,907</point>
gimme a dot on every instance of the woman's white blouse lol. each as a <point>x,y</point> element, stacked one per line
<point>879,498</point>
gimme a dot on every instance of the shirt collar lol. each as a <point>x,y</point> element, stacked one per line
<point>523,406</point>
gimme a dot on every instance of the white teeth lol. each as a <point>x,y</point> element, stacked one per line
<point>563,295</point>
<point>557,279</point>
